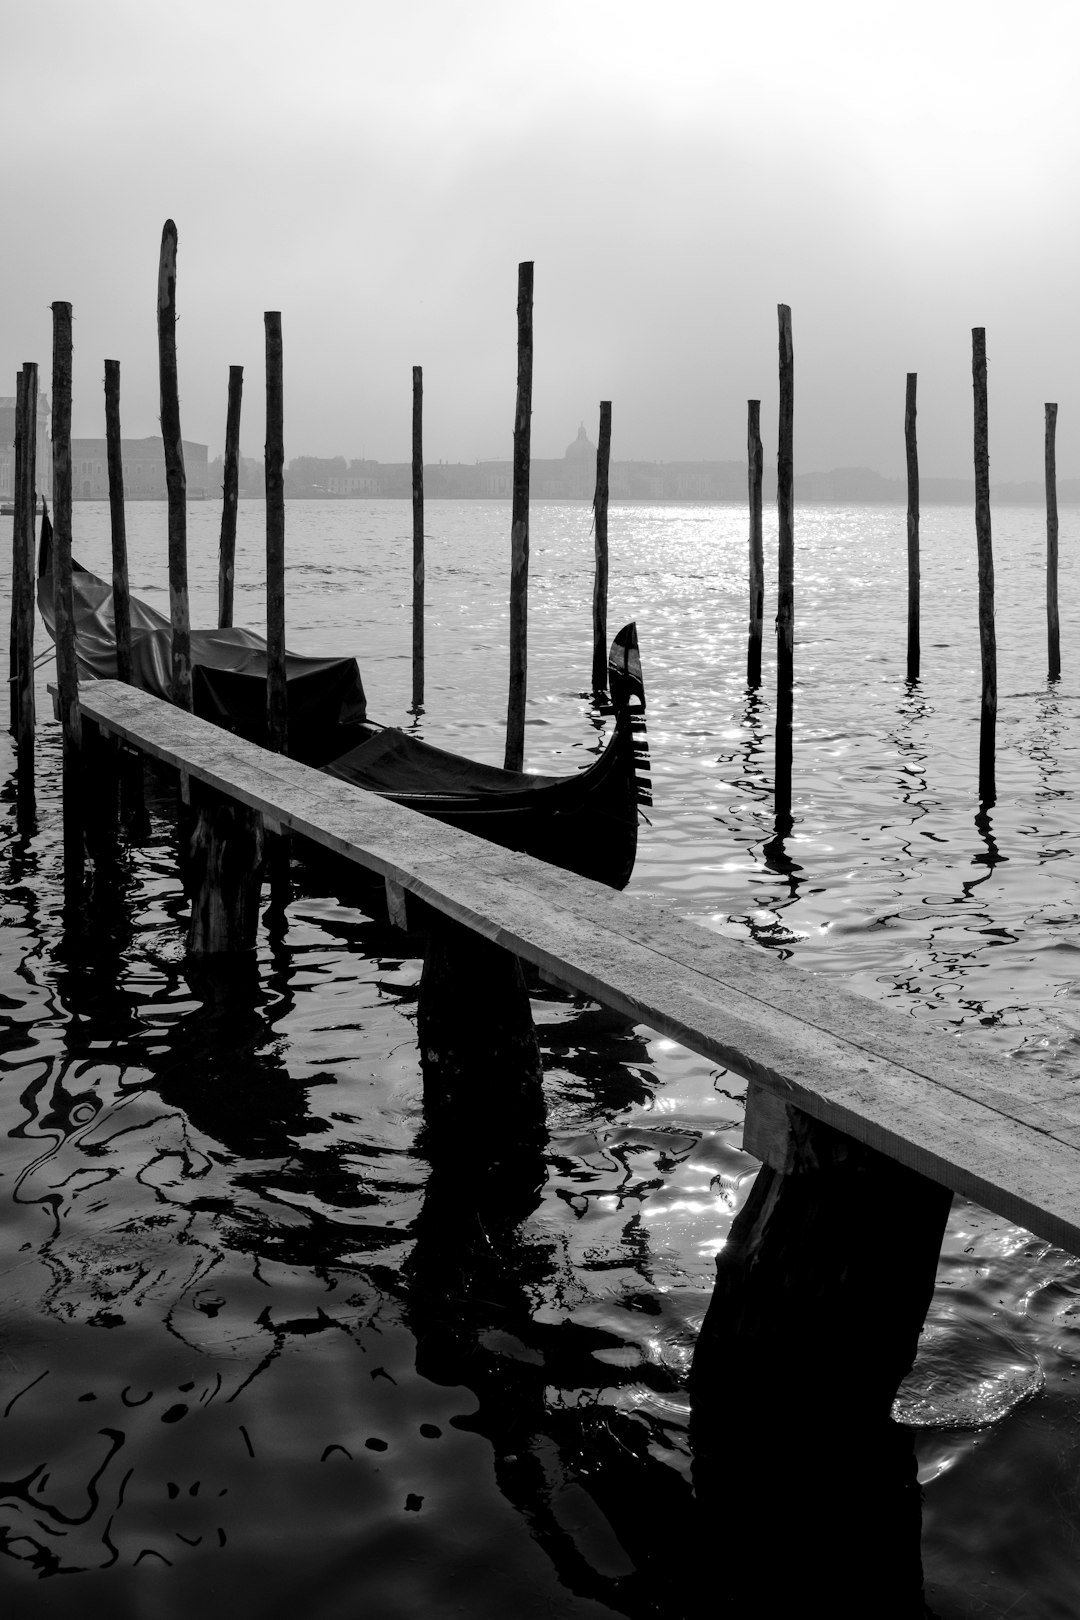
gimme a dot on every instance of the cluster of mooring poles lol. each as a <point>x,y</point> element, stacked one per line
<point>785,609</point>
<point>23,570</point>
<point>22,619</point>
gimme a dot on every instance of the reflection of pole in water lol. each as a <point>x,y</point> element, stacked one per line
<point>913,710</point>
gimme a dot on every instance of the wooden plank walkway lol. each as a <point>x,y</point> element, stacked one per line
<point>1008,1139</point>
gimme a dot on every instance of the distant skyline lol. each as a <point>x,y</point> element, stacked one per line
<point>897,174</point>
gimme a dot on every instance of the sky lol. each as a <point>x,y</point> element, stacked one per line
<point>896,173</point>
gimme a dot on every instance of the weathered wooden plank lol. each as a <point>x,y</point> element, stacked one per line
<point>970,1121</point>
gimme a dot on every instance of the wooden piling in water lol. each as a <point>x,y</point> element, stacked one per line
<point>785,605</point>
<point>600,528</point>
<point>225,858</point>
<point>175,475</point>
<point>911,449</point>
<point>804,1249</point>
<point>276,701</point>
<point>1053,624</point>
<point>117,522</point>
<point>418,539</point>
<point>67,676</point>
<point>482,1077</point>
<point>987,632</point>
<point>754,469</point>
<point>519,527</point>
<point>230,497</point>
<point>22,582</point>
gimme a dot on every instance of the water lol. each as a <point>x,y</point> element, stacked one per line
<point>240,1365</point>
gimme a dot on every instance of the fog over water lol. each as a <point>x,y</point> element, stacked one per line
<point>897,174</point>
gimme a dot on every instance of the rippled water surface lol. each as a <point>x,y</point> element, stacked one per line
<point>248,1361</point>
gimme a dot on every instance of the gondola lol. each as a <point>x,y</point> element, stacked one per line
<point>586,822</point>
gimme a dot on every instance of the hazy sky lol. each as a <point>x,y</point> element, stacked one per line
<point>897,173</point>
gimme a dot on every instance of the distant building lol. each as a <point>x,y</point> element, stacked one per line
<point>144,470</point>
<point>42,451</point>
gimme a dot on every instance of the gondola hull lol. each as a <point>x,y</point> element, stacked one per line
<point>586,822</point>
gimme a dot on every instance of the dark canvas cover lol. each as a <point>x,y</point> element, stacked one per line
<point>228,669</point>
<point>394,762</point>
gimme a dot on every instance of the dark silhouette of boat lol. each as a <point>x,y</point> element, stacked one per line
<point>585,822</point>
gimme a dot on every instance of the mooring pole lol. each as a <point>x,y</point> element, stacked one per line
<point>911,447</point>
<point>417,538</point>
<point>519,528</point>
<point>1053,628</point>
<point>175,476</point>
<point>230,496</point>
<point>276,701</point>
<point>16,563</point>
<point>987,632</point>
<point>22,582</point>
<point>67,676</point>
<point>117,521</point>
<point>600,577</point>
<point>754,469</point>
<point>785,605</point>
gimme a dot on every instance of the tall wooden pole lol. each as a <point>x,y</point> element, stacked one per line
<point>785,606</point>
<point>22,582</point>
<point>276,701</point>
<point>118,523</point>
<point>911,447</point>
<point>230,496</point>
<point>1053,627</point>
<point>519,527</point>
<point>175,476</point>
<point>67,676</point>
<point>417,538</point>
<point>754,470</point>
<point>16,562</point>
<point>987,632</point>
<point>600,577</point>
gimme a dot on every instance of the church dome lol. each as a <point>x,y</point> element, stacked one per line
<point>581,449</point>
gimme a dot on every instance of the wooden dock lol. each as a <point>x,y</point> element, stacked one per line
<point>1009,1139</point>
<point>865,1123</point>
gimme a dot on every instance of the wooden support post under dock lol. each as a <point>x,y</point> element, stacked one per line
<point>230,499</point>
<point>225,858</point>
<point>600,576</point>
<point>813,1348</point>
<point>519,528</point>
<point>483,1077</point>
